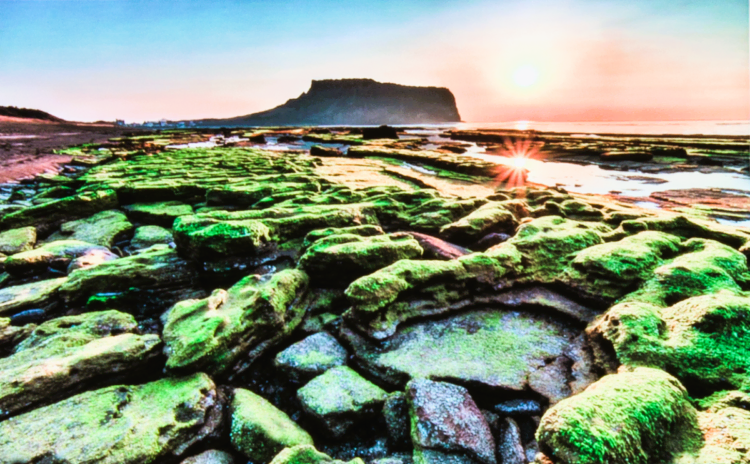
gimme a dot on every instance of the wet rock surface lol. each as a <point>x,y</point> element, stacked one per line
<point>378,301</point>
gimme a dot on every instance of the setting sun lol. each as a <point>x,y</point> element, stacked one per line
<point>526,76</point>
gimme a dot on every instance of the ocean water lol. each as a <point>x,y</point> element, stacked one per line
<point>618,127</point>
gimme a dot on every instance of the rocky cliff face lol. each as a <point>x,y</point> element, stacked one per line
<point>355,102</point>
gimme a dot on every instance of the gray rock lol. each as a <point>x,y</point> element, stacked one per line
<point>311,357</point>
<point>210,457</point>
<point>445,420</point>
<point>396,414</point>
<point>509,446</point>
<point>339,398</point>
<point>148,236</point>
<point>517,408</point>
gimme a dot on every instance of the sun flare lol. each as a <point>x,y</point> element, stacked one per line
<point>526,76</point>
<point>519,162</point>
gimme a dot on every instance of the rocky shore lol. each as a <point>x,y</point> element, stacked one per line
<point>162,303</point>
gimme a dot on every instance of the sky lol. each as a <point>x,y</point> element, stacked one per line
<point>504,60</point>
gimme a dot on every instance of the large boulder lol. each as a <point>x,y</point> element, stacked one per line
<point>106,229</point>
<point>506,350</point>
<point>150,281</point>
<point>259,430</point>
<point>17,240</point>
<point>57,255</point>
<point>640,416</point>
<point>122,424</point>
<point>231,328</point>
<point>46,216</point>
<point>446,421</point>
<point>340,398</point>
<point>64,353</point>
<point>311,357</point>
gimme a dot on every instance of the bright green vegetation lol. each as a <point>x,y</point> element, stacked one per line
<point>233,326</point>
<point>259,430</point>
<point>63,352</point>
<point>105,229</point>
<point>307,454</point>
<point>17,240</point>
<point>339,398</point>
<point>162,213</point>
<point>642,416</point>
<point>488,218</point>
<point>701,340</point>
<point>116,425</point>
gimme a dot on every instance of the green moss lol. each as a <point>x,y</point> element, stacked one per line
<point>214,333</point>
<point>635,417</point>
<point>148,236</point>
<point>259,430</point>
<point>17,240</point>
<point>493,217</point>
<point>105,229</point>
<point>162,213</point>
<point>362,231</point>
<point>123,424</point>
<point>306,454</point>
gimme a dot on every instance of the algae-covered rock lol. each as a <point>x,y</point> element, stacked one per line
<point>366,230</point>
<point>502,349</point>
<point>259,430</point>
<point>432,215</point>
<point>148,236</point>
<point>11,335</point>
<point>493,217</point>
<point>123,424</point>
<point>210,457</point>
<point>17,240</point>
<point>149,281</point>
<point>445,419</point>
<point>702,340</point>
<point>311,356</point>
<point>307,454</point>
<point>57,254</point>
<point>47,215</point>
<point>41,294</point>
<point>639,417</point>
<point>435,248</point>
<point>345,257</point>
<point>161,214</point>
<point>233,327</point>
<point>105,229</point>
<point>339,398</point>
<point>63,353</point>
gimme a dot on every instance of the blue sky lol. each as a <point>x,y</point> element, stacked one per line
<point>595,59</point>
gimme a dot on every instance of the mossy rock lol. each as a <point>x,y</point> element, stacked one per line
<point>48,215</point>
<point>160,214</point>
<point>259,430</point>
<point>307,454</point>
<point>150,281</point>
<point>362,231</point>
<point>642,416</point>
<point>340,259</point>
<point>433,214</point>
<point>339,398</point>
<point>40,294</point>
<point>703,340</point>
<point>106,229</point>
<point>63,353</point>
<point>492,217</point>
<point>123,424</point>
<point>148,236</point>
<point>17,240</point>
<point>311,357</point>
<point>57,254</point>
<point>232,327</point>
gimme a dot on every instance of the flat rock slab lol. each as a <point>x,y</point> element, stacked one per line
<point>495,347</point>
<point>57,254</point>
<point>17,240</point>
<point>311,356</point>
<point>161,214</point>
<point>339,398</point>
<point>64,352</point>
<point>116,425</point>
<point>105,229</point>
<point>39,294</point>
<point>546,299</point>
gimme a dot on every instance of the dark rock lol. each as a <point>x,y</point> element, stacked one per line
<point>445,419</point>
<point>509,446</point>
<point>317,150</point>
<point>260,138</point>
<point>210,457</point>
<point>515,408</point>
<point>396,414</point>
<point>29,316</point>
<point>491,240</point>
<point>382,132</point>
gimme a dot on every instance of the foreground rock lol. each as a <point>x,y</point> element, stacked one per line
<point>497,348</point>
<point>68,351</point>
<point>259,430</point>
<point>36,295</point>
<point>307,454</point>
<point>231,328</point>
<point>57,255</point>
<point>17,240</point>
<point>311,357</point>
<point>106,229</point>
<point>340,398</point>
<point>446,425</point>
<point>118,425</point>
<point>639,416</point>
